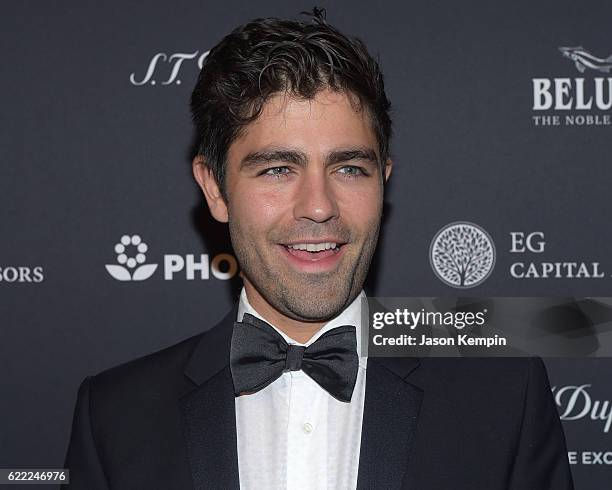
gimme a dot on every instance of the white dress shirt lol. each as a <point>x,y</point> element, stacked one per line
<point>292,434</point>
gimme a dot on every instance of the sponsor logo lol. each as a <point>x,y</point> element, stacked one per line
<point>126,269</point>
<point>534,244</point>
<point>132,263</point>
<point>575,101</point>
<point>165,68</point>
<point>576,403</point>
<point>21,273</point>
<point>462,255</point>
<point>583,59</point>
<point>590,457</point>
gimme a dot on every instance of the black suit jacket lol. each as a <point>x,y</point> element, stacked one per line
<point>167,421</point>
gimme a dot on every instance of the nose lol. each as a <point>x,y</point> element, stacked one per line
<point>315,198</point>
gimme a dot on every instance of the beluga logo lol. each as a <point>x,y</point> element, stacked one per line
<point>583,59</point>
<point>585,100</point>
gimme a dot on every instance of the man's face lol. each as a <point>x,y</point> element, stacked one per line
<point>305,174</point>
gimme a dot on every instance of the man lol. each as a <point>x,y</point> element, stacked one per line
<point>294,130</point>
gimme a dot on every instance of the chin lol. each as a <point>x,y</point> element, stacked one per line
<point>316,307</point>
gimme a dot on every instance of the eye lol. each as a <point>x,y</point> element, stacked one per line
<point>276,172</point>
<point>352,171</point>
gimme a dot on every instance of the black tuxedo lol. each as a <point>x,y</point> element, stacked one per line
<point>167,421</point>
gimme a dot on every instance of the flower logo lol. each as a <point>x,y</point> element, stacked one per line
<point>131,252</point>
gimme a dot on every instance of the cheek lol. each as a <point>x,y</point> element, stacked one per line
<point>256,210</point>
<point>362,208</point>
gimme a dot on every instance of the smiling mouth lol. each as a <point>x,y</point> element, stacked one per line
<point>313,251</point>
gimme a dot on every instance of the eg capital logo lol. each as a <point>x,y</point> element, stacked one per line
<point>462,255</point>
<point>128,268</point>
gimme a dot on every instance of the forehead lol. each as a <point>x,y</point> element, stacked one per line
<point>329,120</point>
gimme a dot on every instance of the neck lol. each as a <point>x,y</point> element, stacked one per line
<point>297,330</point>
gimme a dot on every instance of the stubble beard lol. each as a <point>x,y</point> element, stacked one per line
<point>302,296</point>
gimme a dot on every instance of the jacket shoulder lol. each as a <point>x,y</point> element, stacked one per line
<point>152,373</point>
<point>160,377</point>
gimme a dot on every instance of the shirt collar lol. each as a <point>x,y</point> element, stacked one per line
<point>351,315</point>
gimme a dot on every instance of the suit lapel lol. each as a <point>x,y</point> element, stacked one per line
<point>208,410</point>
<point>390,416</point>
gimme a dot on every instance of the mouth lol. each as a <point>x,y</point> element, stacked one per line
<point>309,256</point>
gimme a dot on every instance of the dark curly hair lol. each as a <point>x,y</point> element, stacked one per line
<point>267,56</point>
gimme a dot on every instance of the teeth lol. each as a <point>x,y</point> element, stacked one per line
<point>313,247</point>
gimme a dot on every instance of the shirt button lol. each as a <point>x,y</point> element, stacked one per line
<point>307,428</point>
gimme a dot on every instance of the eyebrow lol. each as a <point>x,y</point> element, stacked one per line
<point>297,157</point>
<point>256,158</point>
<point>366,154</point>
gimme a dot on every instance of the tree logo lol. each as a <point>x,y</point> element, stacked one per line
<point>462,255</point>
<point>130,252</point>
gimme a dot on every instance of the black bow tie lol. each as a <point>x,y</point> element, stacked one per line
<point>259,355</point>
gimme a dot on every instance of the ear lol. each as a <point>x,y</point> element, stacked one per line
<point>388,168</point>
<point>207,182</point>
